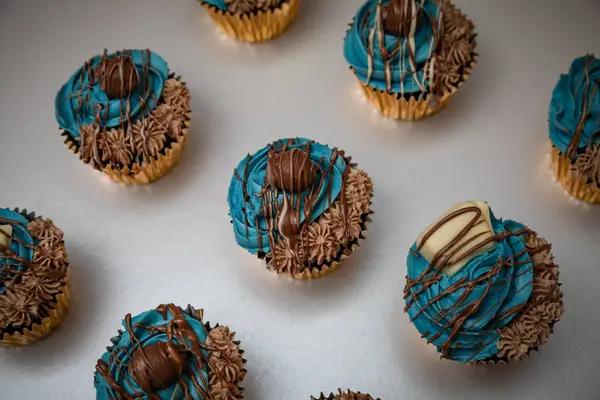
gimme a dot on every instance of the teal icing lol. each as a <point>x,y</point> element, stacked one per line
<point>220,4</point>
<point>124,348</point>
<point>477,340</point>
<point>20,233</point>
<point>567,105</point>
<point>250,215</point>
<point>356,49</point>
<point>79,100</point>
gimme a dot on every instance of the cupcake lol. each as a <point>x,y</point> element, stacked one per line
<point>125,115</point>
<point>482,289</point>
<point>300,206</point>
<point>34,278</point>
<point>170,353</point>
<point>410,57</point>
<point>252,20</point>
<point>574,128</point>
<point>344,396</point>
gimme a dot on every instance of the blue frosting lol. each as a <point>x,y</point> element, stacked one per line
<point>72,111</point>
<point>20,232</point>
<point>124,348</point>
<point>477,340</point>
<point>242,211</point>
<point>356,49</point>
<point>566,107</point>
<point>220,4</point>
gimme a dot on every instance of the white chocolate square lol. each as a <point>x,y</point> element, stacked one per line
<point>5,238</point>
<point>450,230</point>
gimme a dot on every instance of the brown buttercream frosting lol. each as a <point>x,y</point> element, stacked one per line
<point>244,6</point>
<point>587,164</point>
<point>325,237</point>
<point>225,363</point>
<point>139,140</point>
<point>31,292</point>
<point>458,46</point>
<point>341,395</point>
<point>534,326</point>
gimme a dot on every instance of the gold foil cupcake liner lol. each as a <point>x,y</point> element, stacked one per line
<point>393,105</point>
<point>150,170</point>
<point>257,26</point>
<point>575,185</point>
<point>39,331</point>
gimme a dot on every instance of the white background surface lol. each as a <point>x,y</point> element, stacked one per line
<point>133,248</point>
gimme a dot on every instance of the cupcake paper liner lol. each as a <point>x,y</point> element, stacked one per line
<point>577,186</point>
<point>38,331</point>
<point>411,107</point>
<point>257,26</point>
<point>150,170</point>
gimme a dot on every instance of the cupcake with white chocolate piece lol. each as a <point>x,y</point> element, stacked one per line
<point>480,288</point>
<point>299,205</point>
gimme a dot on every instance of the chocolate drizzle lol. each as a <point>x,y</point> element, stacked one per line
<point>444,257</point>
<point>162,364</point>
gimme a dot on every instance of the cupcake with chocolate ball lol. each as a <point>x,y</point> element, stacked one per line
<point>341,395</point>
<point>125,115</point>
<point>410,57</point>
<point>574,127</point>
<point>480,288</point>
<point>34,277</point>
<point>171,353</point>
<point>252,20</point>
<point>300,206</point>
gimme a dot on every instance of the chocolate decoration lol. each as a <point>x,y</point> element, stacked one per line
<point>431,275</point>
<point>397,17</point>
<point>118,76</point>
<point>162,364</point>
<point>291,170</point>
<point>156,366</point>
